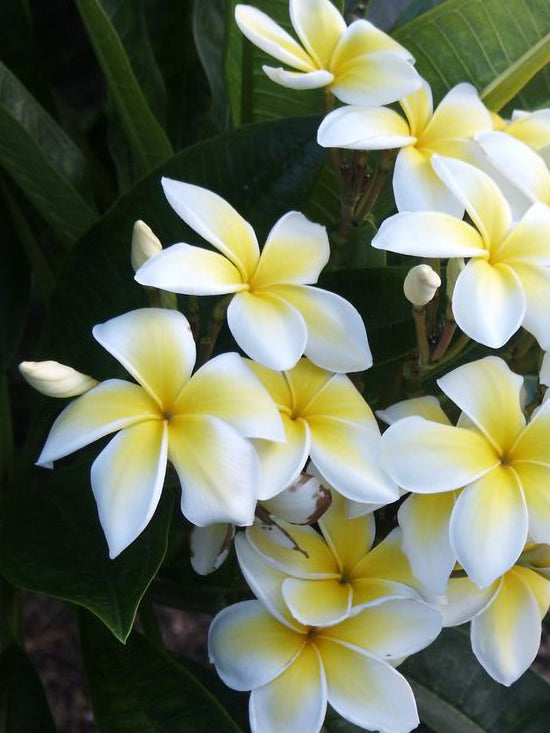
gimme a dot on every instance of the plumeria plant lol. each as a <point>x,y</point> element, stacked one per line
<point>289,327</point>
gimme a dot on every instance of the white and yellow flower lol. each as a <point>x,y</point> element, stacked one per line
<point>335,575</point>
<point>200,423</point>
<point>502,462</point>
<point>274,315</point>
<point>506,283</point>
<point>505,617</point>
<point>293,669</point>
<point>359,64</point>
<point>324,416</point>
<point>446,131</point>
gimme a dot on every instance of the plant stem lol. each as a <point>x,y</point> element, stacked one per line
<point>208,341</point>
<point>444,341</point>
<point>419,316</point>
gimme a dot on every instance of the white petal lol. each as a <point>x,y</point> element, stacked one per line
<point>417,187</point>
<point>302,502</point>
<point>226,388</point>
<point>489,302</point>
<point>319,25</point>
<point>464,600</point>
<point>428,234</point>
<point>427,407</point>
<point>268,329</point>
<point>488,526</point>
<point>336,335</point>
<point>210,546</point>
<point>217,221</point>
<point>127,479</point>
<point>349,539</point>
<point>535,482</point>
<point>295,252</point>
<point>533,128</point>
<point>529,241</point>
<point>281,463</point>
<point>183,268</point>
<point>536,283</point>
<point>295,701</point>
<point>364,128</point>
<point>318,602</point>
<point>218,470</point>
<point>362,37</point>
<point>428,457</point>
<point>249,647</point>
<point>155,346</point>
<point>418,107</point>
<point>460,115</point>
<point>112,405</point>
<point>298,79</point>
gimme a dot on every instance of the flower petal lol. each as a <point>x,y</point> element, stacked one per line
<point>478,194</point>
<point>274,382</point>
<point>506,636</point>
<point>488,391</point>
<point>218,470</point>
<point>249,647</point>
<point>303,502</point>
<point>226,388</point>
<point>528,241</point>
<point>127,480</point>
<point>535,482</point>
<point>216,221</point>
<point>388,562</point>
<point>346,454</point>
<point>364,128</point>
<point>362,37</point>
<point>314,559</point>
<point>538,584</point>
<point>336,335</point>
<point>155,346</point>
<point>428,234</point>
<point>317,602</point>
<point>536,283</point>
<point>305,382</point>
<point>295,701</point>
<point>319,25</point>
<point>489,302</point>
<point>391,630</point>
<point>532,128</point>
<point>517,162</point>
<point>374,79</point>
<point>418,107</point>
<point>267,328</point>
<point>281,463</point>
<point>534,442</point>
<point>417,187</point>
<point>427,407</point>
<point>112,405</point>
<point>183,268</point>
<point>297,79</point>
<point>370,592</point>
<point>428,457</point>
<point>460,114</point>
<point>349,539</point>
<point>210,546</point>
<point>488,528</point>
<point>296,251</point>
<point>424,521</point>
<point>365,690</point>
<point>339,398</point>
<point>464,600</point>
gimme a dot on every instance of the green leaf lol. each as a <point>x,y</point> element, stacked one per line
<point>23,704</point>
<point>209,33</point>
<point>43,161</point>
<point>146,138</point>
<point>139,688</point>
<point>477,41</point>
<point>454,694</point>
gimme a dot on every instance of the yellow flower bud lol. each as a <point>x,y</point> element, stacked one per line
<point>455,265</point>
<point>421,284</point>
<point>54,379</point>
<point>145,244</point>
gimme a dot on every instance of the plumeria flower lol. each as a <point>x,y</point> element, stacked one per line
<point>275,315</point>
<point>532,128</point>
<point>294,669</point>
<point>447,131</point>
<point>359,64</point>
<point>338,573</point>
<point>505,617</point>
<point>506,283</point>
<point>324,416</point>
<point>303,502</point>
<point>200,423</point>
<point>502,463</point>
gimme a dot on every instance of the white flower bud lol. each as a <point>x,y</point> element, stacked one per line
<point>54,379</point>
<point>145,244</point>
<point>455,265</point>
<point>421,284</point>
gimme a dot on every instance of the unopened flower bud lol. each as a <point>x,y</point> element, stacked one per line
<point>145,244</point>
<point>455,265</point>
<point>421,285</point>
<point>54,379</point>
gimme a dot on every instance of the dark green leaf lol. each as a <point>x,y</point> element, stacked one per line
<point>23,704</point>
<point>146,138</point>
<point>139,688</point>
<point>455,695</point>
<point>43,161</point>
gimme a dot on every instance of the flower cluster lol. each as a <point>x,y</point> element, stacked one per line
<point>338,608</point>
